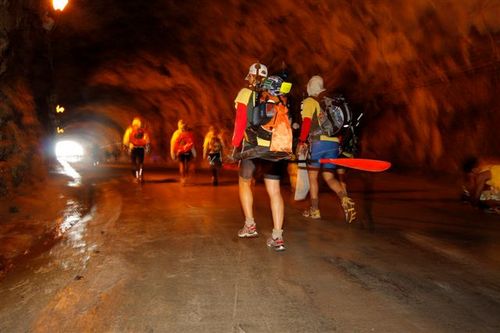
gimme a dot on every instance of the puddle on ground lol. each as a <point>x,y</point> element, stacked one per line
<point>66,169</point>
<point>69,229</point>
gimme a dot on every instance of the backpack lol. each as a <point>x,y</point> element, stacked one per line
<point>334,115</point>
<point>137,137</point>
<point>184,143</point>
<point>349,143</point>
<point>270,122</point>
<point>215,145</point>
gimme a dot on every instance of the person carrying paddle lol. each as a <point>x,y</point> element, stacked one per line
<point>246,139</point>
<point>321,147</point>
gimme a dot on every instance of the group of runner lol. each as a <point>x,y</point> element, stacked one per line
<point>136,142</point>
<point>262,140</point>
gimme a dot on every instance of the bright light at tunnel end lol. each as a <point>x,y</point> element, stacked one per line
<point>70,151</point>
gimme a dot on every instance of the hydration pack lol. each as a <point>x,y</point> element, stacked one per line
<point>269,122</point>
<point>334,115</point>
<point>215,145</point>
<point>184,143</point>
<point>137,137</point>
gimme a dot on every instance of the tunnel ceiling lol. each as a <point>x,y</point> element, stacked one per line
<point>424,72</point>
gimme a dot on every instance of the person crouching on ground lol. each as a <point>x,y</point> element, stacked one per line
<point>482,184</point>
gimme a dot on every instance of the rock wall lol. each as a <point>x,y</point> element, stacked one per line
<point>425,73</point>
<point>21,36</point>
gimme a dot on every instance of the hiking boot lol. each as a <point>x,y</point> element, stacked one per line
<point>248,231</point>
<point>312,213</point>
<point>349,211</point>
<point>276,243</point>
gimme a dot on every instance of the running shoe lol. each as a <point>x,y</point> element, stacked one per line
<point>349,211</point>
<point>248,231</point>
<point>312,213</point>
<point>277,244</point>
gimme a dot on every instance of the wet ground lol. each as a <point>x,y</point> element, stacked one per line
<point>162,257</point>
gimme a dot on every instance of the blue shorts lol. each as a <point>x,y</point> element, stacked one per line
<point>323,149</point>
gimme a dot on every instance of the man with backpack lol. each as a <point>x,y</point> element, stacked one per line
<point>136,141</point>
<point>253,136</point>
<point>319,130</point>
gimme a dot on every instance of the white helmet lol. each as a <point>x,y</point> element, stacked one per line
<point>315,86</point>
<point>257,69</point>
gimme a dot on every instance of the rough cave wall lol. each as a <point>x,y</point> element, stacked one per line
<point>20,129</point>
<point>425,72</point>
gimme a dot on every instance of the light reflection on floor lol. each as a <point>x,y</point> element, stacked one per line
<point>68,170</point>
<point>73,224</point>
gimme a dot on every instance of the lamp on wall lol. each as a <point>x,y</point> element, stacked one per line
<point>59,4</point>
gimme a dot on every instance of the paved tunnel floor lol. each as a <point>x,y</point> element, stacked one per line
<point>165,258</point>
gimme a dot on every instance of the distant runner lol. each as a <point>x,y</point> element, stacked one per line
<point>136,141</point>
<point>182,149</point>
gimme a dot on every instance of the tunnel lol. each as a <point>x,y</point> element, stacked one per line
<point>422,76</point>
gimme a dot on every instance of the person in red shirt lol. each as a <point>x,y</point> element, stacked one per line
<point>136,141</point>
<point>245,102</point>
<point>182,149</point>
<point>322,146</point>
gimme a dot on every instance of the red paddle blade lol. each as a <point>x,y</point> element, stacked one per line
<point>359,163</point>
<point>230,166</point>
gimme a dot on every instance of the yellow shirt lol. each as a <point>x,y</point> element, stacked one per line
<point>243,97</point>
<point>495,177</point>
<point>310,109</point>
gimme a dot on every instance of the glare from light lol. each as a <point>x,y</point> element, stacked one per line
<point>70,151</point>
<point>68,170</point>
<point>59,4</point>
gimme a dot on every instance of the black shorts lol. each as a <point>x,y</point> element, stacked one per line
<point>137,154</point>
<point>270,169</point>
<point>185,157</point>
<point>215,160</point>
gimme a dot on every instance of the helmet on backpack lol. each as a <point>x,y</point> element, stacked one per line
<point>276,86</point>
<point>273,85</point>
<point>257,70</point>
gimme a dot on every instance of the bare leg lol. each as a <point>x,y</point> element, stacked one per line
<point>334,184</point>
<point>313,187</point>
<point>246,197</point>
<point>186,168</point>
<point>346,202</point>
<point>181,169</point>
<point>341,175</point>
<point>277,205</point>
